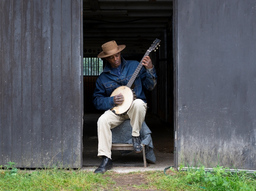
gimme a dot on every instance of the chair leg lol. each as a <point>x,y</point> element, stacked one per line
<point>130,148</point>
<point>144,155</point>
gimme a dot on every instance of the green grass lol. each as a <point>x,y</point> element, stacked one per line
<point>191,179</point>
<point>199,179</point>
<point>51,179</point>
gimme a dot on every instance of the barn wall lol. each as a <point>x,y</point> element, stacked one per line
<point>40,83</point>
<point>216,83</point>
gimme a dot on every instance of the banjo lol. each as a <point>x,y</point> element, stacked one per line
<point>126,90</point>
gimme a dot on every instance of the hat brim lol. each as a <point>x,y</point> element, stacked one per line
<point>104,55</point>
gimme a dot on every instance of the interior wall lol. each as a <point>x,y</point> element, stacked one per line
<point>163,96</point>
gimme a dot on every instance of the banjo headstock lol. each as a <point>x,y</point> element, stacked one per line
<point>154,46</point>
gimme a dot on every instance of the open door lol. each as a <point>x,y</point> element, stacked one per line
<point>136,24</point>
<point>41,83</point>
<point>215,83</point>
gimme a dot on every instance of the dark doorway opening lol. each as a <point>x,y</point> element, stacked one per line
<point>135,24</point>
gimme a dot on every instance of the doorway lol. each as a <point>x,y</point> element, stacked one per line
<point>135,24</point>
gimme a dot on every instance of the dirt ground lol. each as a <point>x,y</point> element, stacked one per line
<point>129,181</point>
<point>133,181</point>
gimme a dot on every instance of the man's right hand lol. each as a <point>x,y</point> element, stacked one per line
<point>118,99</point>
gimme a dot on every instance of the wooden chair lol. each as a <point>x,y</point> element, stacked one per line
<point>129,147</point>
<point>120,141</point>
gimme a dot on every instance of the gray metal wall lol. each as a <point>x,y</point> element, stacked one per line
<point>215,54</point>
<point>40,83</point>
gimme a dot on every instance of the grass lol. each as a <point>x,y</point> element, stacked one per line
<point>199,179</point>
<point>59,179</point>
<point>51,179</point>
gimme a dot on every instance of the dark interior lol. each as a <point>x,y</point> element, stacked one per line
<point>136,24</point>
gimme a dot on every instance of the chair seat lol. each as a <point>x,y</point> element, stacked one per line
<point>129,147</point>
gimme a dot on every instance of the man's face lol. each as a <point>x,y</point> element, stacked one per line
<point>114,60</point>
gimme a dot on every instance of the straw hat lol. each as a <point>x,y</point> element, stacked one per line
<point>110,48</point>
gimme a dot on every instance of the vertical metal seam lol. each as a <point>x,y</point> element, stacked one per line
<point>71,72</point>
<point>21,44</point>
<point>11,84</point>
<point>62,149</point>
<point>31,77</point>
<point>41,78</point>
<point>51,24</point>
<point>1,85</point>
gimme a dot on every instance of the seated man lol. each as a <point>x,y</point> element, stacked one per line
<point>117,72</point>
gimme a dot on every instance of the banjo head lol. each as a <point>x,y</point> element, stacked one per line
<point>128,99</point>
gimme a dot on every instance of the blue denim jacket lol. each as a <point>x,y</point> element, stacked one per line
<point>108,81</point>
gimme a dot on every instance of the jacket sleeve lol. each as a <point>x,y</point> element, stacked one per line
<point>100,100</point>
<point>149,78</point>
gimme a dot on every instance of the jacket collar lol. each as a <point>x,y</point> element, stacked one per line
<point>108,68</point>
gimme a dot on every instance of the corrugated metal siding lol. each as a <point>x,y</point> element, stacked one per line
<point>41,83</point>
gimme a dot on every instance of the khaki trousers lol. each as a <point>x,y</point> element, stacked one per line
<point>108,120</point>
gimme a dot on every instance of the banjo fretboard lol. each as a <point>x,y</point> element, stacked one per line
<point>153,46</point>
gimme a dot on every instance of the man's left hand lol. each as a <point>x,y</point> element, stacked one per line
<point>147,62</point>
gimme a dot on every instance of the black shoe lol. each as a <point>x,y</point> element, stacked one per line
<point>136,144</point>
<point>105,165</point>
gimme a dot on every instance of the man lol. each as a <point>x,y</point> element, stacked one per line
<point>117,72</point>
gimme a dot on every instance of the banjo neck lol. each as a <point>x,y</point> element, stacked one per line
<point>126,90</point>
<point>153,46</point>
<point>136,72</point>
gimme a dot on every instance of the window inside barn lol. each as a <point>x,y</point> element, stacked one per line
<point>93,66</point>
